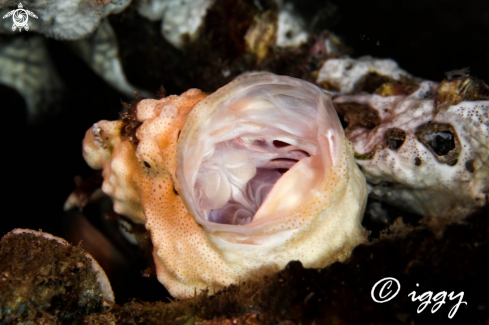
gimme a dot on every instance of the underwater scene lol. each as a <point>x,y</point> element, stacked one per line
<point>244,162</point>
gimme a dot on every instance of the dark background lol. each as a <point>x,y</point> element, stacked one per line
<point>426,38</point>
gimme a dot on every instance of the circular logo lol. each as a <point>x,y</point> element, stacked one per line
<point>20,18</point>
<point>383,290</point>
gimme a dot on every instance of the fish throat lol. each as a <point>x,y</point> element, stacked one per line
<point>255,153</point>
<point>236,178</point>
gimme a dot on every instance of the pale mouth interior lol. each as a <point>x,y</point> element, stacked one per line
<point>234,180</point>
<point>258,157</point>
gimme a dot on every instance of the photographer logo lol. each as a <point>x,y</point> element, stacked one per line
<point>20,18</point>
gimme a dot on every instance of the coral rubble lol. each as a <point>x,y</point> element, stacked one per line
<point>25,65</point>
<point>63,19</point>
<point>46,280</point>
<point>422,145</point>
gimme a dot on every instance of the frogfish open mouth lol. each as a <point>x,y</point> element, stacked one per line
<point>236,184</point>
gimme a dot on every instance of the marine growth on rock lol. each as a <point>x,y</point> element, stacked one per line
<point>422,145</point>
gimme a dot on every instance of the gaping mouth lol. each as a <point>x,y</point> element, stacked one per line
<point>255,152</point>
<point>233,183</point>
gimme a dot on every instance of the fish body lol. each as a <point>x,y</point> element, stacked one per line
<point>236,184</point>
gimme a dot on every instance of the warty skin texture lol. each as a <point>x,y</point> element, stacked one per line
<point>198,155</point>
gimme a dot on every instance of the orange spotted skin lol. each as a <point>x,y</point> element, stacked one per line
<point>166,215</point>
<point>144,176</point>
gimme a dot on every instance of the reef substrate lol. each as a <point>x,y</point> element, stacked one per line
<point>45,280</point>
<point>437,254</point>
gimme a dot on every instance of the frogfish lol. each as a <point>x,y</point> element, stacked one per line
<point>234,185</point>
